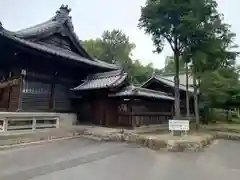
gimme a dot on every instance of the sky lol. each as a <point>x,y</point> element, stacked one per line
<point>92,17</point>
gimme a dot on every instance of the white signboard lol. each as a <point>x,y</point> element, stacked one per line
<point>178,125</point>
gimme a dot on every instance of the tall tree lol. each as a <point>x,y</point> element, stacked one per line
<point>207,42</point>
<point>115,47</point>
<point>162,20</point>
<point>220,89</point>
<point>174,22</point>
<point>94,47</point>
<point>186,59</point>
<point>170,65</point>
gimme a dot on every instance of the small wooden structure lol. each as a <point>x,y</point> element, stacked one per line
<point>139,106</point>
<point>107,99</point>
<point>165,83</point>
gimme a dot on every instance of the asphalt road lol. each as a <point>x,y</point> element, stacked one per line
<point>88,160</point>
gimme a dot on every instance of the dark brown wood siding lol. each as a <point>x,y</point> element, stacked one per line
<point>44,96</point>
<point>14,98</point>
<point>9,94</point>
<point>61,98</point>
<point>36,96</point>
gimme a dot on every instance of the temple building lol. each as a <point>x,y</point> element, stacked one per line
<point>45,68</point>
<point>165,83</point>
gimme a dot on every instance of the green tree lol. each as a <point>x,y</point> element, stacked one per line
<point>115,47</point>
<point>220,89</point>
<point>175,22</point>
<point>94,47</point>
<point>142,73</point>
<point>170,65</point>
<point>208,46</point>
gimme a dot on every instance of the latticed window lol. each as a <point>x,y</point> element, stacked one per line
<point>36,88</point>
<point>122,108</point>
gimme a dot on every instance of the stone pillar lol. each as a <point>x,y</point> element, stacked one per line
<point>5,125</point>
<point>34,123</point>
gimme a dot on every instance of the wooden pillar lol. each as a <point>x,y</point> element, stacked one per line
<point>21,88</point>
<point>131,113</point>
<point>52,93</point>
<point>9,88</point>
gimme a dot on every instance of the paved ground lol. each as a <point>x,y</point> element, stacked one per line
<point>84,159</point>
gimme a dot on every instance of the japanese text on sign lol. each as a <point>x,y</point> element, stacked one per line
<point>178,125</point>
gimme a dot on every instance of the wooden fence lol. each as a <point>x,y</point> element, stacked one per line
<point>142,118</point>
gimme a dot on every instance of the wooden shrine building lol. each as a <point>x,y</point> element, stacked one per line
<point>165,83</point>
<point>108,99</point>
<point>42,66</point>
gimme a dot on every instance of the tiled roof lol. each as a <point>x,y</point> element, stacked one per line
<point>35,31</point>
<point>170,82</point>
<point>53,50</point>
<point>103,80</point>
<point>182,78</point>
<point>60,23</point>
<point>141,92</point>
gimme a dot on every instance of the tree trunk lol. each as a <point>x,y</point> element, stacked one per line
<point>196,109</point>
<point>176,86</point>
<point>187,93</point>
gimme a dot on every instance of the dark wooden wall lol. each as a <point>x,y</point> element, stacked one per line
<point>45,94</point>
<point>35,96</point>
<point>99,111</point>
<point>138,112</point>
<point>10,94</point>
<point>61,98</point>
<point>157,86</point>
<point>40,95</point>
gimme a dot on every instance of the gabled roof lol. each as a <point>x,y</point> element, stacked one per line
<point>61,23</point>
<point>182,78</point>
<point>133,91</point>
<point>103,80</point>
<point>167,81</point>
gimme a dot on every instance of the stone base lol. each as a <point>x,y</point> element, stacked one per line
<point>154,142</point>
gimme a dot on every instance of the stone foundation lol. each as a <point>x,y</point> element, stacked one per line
<point>154,143</point>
